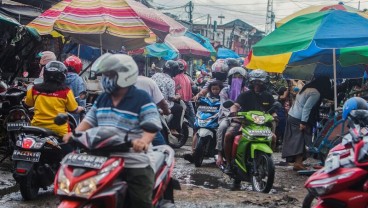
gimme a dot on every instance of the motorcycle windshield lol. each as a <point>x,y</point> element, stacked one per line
<point>103,138</point>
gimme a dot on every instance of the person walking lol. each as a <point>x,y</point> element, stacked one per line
<point>302,117</point>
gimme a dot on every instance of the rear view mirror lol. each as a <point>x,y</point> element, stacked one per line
<point>61,119</point>
<point>228,104</point>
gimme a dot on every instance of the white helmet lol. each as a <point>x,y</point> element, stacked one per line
<point>238,70</point>
<point>124,65</point>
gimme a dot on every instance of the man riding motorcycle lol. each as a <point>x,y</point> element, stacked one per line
<point>257,98</point>
<point>125,107</point>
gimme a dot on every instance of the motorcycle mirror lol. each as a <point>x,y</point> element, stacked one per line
<point>61,119</point>
<point>228,104</point>
<point>275,105</point>
<point>150,127</point>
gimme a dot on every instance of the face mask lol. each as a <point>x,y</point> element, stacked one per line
<point>109,84</point>
<point>235,88</point>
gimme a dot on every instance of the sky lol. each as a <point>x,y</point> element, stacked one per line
<point>252,12</point>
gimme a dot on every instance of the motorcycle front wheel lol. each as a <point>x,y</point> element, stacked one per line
<point>199,152</point>
<point>179,141</point>
<point>309,201</point>
<point>263,177</point>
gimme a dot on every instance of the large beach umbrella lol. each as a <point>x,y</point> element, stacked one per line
<point>108,24</point>
<point>314,35</point>
<point>187,46</point>
<point>158,22</point>
<point>316,8</point>
<point>204,41</point>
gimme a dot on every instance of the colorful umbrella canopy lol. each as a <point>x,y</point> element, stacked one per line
<point>314,35</point>
<point>110,24</point>
<point>158,22</point>
<point>223,53</point>
<point>205,42</point>
<point>187,46</point>
<point>316,8</point>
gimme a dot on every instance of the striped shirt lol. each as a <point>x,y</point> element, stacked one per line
<point>134,109</point>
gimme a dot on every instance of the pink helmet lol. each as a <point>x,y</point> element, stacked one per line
<point>46,57</point>
<point>183,66</point>
<point>220,66</point>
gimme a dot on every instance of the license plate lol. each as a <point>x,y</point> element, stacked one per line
<point>84,160</point>
<point>207,109</point>
<point>332,163</point>
<point>14,126</point>
<point>26,155</point>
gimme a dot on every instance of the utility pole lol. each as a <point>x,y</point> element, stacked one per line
<point>221,17</point>
<point>189,9</point>
<point>208,24</point>
<point>270,17</point>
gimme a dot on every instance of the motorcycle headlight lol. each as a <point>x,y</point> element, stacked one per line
<point>323,186</point>
<point>258,119</point>
<point>87,187</point>
<point>63,182</point>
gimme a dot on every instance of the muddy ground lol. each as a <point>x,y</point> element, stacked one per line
<point>201,187</point>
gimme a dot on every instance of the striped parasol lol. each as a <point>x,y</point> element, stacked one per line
<point>158,22</point>
<point>187,46</point>
<point>108,24</point>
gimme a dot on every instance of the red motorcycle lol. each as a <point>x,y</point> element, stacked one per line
<point>93,178</point>
<point>343,181</point>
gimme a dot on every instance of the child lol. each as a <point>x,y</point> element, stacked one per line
<point>215,88</point>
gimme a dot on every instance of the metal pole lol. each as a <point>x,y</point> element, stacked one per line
<point>335,79</point>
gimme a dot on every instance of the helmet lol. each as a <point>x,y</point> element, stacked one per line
<point>259,75</point>
<point>46,57</point>
<point>238,70</point>
<point>171,68</point>
<point>55,71</point>
<point>183,66</point>
<point>354,103</point>
<point>220,66</point>
<point>74,64</point>
<point>122,64</point>
<point>231,62</point>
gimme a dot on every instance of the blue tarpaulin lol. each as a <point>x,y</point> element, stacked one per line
<point>205,42</point>
<point>223,53</point>
<point>161,50</point>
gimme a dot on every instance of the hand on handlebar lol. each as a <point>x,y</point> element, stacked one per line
<point>139,145</point>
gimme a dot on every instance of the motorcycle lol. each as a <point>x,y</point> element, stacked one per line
<point>90,177</point>
<point>36,157</point>
<point>14,115</point>
<point>175,141</point>
<point>252,160</point>
<point>342,182</point>
<point>206,122</point>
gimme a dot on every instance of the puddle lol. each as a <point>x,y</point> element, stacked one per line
<point>205,180</point>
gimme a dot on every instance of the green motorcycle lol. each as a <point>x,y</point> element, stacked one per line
<point>252,153</point>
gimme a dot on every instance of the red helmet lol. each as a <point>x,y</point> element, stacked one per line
<point>74,64</point>
<point>183,66</point>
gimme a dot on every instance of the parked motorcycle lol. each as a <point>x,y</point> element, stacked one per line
<point>36,157</point>
<point>91,177</point>
<point>206,122</point>
<point>175,141</point>
<point>343,182</point>
<point>252,153</point>
<point>14,115</point>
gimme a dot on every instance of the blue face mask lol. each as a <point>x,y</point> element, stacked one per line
<point>109,84</point>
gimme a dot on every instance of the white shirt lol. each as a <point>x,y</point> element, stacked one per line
<point>150,86</point>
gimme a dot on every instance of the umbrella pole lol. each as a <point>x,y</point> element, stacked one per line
<point>335,79</point>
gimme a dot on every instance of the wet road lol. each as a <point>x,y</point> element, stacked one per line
<point>201,187</point>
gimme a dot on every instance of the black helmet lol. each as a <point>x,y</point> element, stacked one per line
<point>231,62</point>
<point>171,68</point>
<point>258,75</point>
<point>55,71</point>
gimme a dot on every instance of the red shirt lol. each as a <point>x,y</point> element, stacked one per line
<point>183,87</point>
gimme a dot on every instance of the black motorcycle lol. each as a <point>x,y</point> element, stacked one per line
<point>14,115</point>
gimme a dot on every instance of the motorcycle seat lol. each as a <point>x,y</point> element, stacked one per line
<point>157,158</point>
<point>38,130</point>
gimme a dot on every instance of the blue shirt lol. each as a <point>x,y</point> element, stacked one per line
<point>134,109</point>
